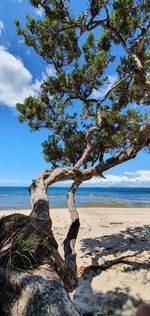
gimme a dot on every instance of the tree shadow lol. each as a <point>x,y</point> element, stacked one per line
<point>131,248</point>
<point>112,303</point>
<point>132,241</point>
<point>120,301</point>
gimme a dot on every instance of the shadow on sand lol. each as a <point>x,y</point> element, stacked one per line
<point>130,248</point>
<point>112,303</point>
<point>133,240</point>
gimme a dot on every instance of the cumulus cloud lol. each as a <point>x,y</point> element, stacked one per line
<point>138,173</point>
<point>1,27</point>
<point>139,178</point>
<point>99,93</point>
<point>16,81</point>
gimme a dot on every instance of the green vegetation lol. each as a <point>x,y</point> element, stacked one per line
<point>20,256</point>
<point>83,52</point>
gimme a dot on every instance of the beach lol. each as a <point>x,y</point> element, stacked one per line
<point>108,234</point>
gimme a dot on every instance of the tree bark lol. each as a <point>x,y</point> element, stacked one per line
<point>36,293</point>
<point>34,279</point>
<point>69,242</point>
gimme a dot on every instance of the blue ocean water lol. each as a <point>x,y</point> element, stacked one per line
<point>18,197</point>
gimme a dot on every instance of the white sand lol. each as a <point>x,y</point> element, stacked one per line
<point>106,234</point>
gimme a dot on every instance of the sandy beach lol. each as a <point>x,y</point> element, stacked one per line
<point>108,234</point>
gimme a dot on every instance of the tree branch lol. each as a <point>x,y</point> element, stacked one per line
<point>93,24</point>
<point>38,189</point>
<point>89,146</point>
<point>126,154</point>
<point>114,86</point>
<point>60,174</point>
<point>70,240</point>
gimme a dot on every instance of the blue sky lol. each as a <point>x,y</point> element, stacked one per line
<point>21,71</point>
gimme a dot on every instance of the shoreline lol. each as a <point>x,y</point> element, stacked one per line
<point>85,205</point>
<point>115,197</point>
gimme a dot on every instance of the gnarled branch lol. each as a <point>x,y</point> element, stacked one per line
<point>69,242</point>
<point>71,173</point>
<point>89,146</point>
<point>128,153</point>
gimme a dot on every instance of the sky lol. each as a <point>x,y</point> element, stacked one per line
<point>21,71</point>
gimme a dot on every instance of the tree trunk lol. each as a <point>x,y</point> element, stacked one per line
<point>34,279</point>
<point>36,293</point>
<point>69,242</point>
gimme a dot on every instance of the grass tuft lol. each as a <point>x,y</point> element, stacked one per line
<point>20,256</point>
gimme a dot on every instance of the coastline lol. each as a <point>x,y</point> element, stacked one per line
<point>83,206</point>
<point>107,234</point>
<point>18,197</point>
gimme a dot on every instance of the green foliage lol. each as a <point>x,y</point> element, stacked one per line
<point>19,257</point>
<point>69,153</point>
<point>128,15</point>
<point>119,129</point>
<point>104,41</point>
<point>65,104</point>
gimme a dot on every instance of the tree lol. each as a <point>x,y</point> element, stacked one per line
<point>84,128</point>
<point>89,134</point>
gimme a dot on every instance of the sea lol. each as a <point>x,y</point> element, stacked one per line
<point>19,198</point>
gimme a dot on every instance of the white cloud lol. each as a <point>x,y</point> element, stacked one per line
<point>39,11</point>
<point>20,1</point>
<point>145,173</point>
<point>139,178</point>
<point>99,93</point>
<point>16,81</point>
<point>1,27</point>
<point>21,41</point>
<point>50,71</point>
<point>14,181</point>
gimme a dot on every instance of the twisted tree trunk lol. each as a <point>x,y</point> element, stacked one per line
<point>34,279</point>
<point>36,293</point>
<point>69,242</point>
